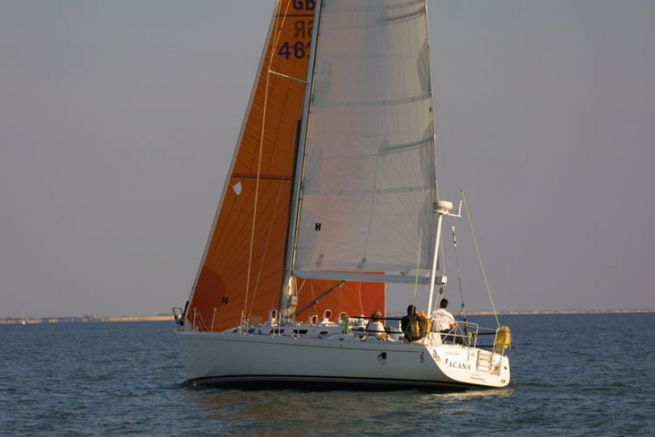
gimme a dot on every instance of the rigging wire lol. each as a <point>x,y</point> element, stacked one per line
<point>477,251</point>
<point>276,38</point>
<point>267,244</point>
<point>461,313</point>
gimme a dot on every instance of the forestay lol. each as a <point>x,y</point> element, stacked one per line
<point>369,184</point>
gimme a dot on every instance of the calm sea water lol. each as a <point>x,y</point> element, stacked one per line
<point>571,375</point>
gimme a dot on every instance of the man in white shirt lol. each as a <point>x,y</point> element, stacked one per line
<point>442,320</point>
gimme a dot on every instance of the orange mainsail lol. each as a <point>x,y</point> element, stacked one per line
<point>241,273</point>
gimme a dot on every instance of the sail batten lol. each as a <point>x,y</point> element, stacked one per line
<point>421,278</point>
<point>378,191</point>
<point>373,103</point>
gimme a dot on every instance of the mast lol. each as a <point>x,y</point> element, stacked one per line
<point>440,213</point>
<point>290,251</point>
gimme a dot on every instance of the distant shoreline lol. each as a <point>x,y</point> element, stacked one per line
<point>85,319</point>
<point>561,312</point>
<point>169,318</point>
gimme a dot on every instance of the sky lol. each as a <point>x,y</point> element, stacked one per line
<point>118,121</point>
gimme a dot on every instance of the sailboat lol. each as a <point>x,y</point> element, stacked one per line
<point>330,200</point>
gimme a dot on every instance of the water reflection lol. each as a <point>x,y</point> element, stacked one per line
<point>306,412</point>
<point>474,394</point>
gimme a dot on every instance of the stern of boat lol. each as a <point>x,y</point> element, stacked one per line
<point>460,358</point>
<point>468,365</point>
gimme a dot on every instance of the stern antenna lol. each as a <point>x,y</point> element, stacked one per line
<point>459,276</point>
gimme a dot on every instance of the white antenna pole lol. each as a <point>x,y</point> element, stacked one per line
<point>443,208</point>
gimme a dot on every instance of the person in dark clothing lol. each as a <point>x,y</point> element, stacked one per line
<point>404,322</point>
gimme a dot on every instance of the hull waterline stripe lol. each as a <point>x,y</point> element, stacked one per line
<point>263,379</point>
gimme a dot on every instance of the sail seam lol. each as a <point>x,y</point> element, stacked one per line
<point>377,191</point>
<point>405,5</point>
<point>406,16</point>
<point>294,15</point>
<point>286,76</point>
<point>255,176</point>
<point>368,103</point>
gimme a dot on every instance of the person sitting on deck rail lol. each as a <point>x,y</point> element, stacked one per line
<point>442,320</point>
<point>375,326</point>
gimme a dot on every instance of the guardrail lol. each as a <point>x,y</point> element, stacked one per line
<point>468,334</point>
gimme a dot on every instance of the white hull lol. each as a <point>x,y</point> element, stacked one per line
<point>232,358</point>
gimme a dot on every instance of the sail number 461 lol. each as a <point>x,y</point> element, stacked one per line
<point>298,50</point>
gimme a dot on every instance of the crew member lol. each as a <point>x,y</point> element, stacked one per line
<point>375,326</point>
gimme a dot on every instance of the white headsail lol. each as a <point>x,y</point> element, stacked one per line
<point>369,185</point>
